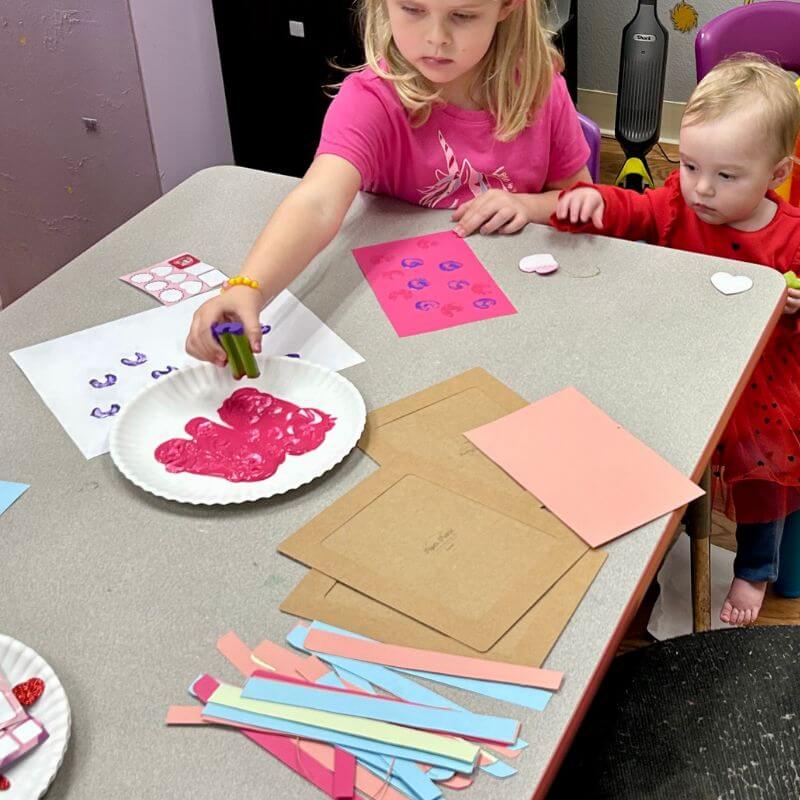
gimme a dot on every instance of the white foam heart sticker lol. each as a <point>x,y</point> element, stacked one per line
<point>540,263</point>
<point>731,284</point>
<point>161,271</point>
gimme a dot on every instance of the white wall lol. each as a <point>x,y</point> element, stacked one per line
<point>179,61</point>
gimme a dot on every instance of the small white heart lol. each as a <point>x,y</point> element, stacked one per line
<point>171,296</point>
<point>178,277</point>
<point>541,263</point>
<point>192,287</point>
<point>731,284</point>
<point>141,277</point>
<point>162,271</point>
<point>155,286</point>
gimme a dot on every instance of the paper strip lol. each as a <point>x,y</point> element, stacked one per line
<point>237,652</point>
<point>397,712</point>
<point>458,782</point>
<point>428,661</point>
<point>536,699</point>
<point>344,774</point>
<point>288,663</point>
<point>10,492</point>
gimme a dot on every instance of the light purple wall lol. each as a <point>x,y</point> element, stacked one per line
<point>62,187</point>
<point>179,60</point>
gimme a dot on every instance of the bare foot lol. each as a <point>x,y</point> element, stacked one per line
<point>743,602</point>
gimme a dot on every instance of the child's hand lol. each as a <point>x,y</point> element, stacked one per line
<point>581,205</point>
<point>792,301</point>
<point>237,304</point>
<point>495,211</point>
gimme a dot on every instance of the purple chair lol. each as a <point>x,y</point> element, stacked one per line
<point>771,29</point>
<point>592,133</point>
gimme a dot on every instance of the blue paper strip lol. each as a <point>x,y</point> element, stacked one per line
<point>353,679</point>
<point>536,699</point>
<point>9,492</point>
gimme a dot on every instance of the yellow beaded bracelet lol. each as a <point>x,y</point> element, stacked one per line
<point>241,280</point>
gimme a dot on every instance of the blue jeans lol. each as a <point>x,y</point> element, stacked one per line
<point>758,547</point>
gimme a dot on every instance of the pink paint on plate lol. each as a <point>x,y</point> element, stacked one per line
<point>263,431</point>
<point>431,282</point>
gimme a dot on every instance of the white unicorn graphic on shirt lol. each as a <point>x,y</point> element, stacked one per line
<point>448,183</point>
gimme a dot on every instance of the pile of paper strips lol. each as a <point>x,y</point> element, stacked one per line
<point>346,717</point>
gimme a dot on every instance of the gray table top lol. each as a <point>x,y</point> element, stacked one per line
<point>125,594</point>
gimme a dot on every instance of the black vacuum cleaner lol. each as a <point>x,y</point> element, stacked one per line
<point>640,94</point>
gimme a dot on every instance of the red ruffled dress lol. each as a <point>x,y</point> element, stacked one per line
<point>756,466</point>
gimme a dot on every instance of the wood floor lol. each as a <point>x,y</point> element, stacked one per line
<point>776,610</point>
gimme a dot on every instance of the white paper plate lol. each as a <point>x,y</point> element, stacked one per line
<point>161,410</point>
<point>34,772</point>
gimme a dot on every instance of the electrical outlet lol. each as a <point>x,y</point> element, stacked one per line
<point>297,28</point>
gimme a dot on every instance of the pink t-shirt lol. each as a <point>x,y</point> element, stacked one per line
<point>454,156</point>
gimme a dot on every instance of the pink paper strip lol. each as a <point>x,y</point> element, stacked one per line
<point>185,715</point>
<point>344,773</point>
<point>595,476</point>
<point>457,782</point>
<point>288,663</point>
<point>365,781</point>
<point>237,652</point>
<point>289,751</point>
<point>429,661</point>
<point>431,282</point>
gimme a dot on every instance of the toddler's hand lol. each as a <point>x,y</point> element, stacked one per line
<point>237,304</point>
<point>792,301</point>
<point>581,205</point>
<point>495,211</point>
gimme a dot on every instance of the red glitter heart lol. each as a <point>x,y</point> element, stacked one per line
<point>29,692</point>
<point>5,784</point>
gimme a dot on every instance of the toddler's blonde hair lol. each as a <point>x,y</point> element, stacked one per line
<point>515,76</point>
<point>748,80</point>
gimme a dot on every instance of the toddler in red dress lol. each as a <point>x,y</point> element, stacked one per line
<point>737,137</point>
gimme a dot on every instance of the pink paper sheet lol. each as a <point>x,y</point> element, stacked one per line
<point>428,661</point>
<point>595,476</point>
<point>431,282</point>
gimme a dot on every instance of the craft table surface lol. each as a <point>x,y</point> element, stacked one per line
<point>125,594</point>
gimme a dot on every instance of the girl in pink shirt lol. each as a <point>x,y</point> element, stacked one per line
<point>460,106</point>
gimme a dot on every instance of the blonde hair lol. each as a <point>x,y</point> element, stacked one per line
<point>515,76</point>
<point>748,80</point>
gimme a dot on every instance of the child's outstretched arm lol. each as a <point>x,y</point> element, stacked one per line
<point>611,211</point>
<point>304,223</point>
<point>498,211</point>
